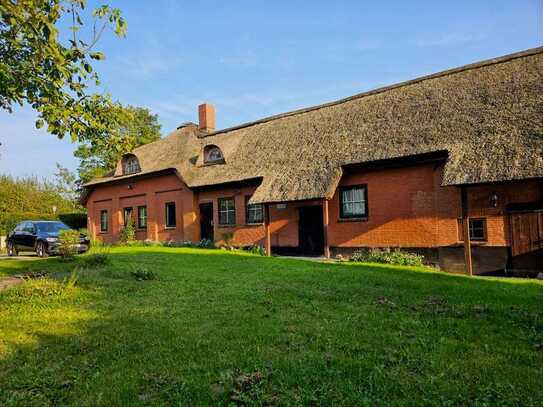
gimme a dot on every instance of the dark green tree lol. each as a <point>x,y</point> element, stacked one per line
<point>133,127</point>
<point>52,71</point>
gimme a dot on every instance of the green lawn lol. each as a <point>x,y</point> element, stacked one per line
<point>219,327</point>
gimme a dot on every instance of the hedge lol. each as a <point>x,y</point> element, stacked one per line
<point>75,220</point>
<point>8,221</point>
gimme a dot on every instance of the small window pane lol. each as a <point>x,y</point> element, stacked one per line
<point>142,217</point>
<point>103,221</point>
<point>170,215</point>
<point>254,212</point>
<point>227,211</point>
<point>127,215</point>
<point>353,202</point>
<point>477,229</point>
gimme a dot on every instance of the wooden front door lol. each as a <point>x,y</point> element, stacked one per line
<point>311,231</point>
<point>206,221</point>
<point>526,232</point>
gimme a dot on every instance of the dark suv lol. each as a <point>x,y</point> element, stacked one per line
<point>41,237</point>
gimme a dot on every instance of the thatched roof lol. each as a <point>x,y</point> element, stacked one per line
<point>488,117</point>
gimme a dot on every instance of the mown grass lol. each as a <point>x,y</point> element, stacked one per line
<point>216,327</point>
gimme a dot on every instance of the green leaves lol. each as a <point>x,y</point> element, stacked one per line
<point>128,127</point>
<point>97,55</point>
<point>51,76</point>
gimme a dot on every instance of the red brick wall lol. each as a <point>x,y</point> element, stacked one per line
<point>244,234</point>
<point>407,207</point>
<point>152,192</point>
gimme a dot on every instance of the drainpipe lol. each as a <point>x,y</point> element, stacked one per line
<point>325,227</point>
<point>465,230</point>
<point>267,237</point>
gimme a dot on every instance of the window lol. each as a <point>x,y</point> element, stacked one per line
<point>103,221</point>
<point>170,215</point>
<point>29,227</point>
<point>130,165</point>
<point>227,211</point>
<point>142,217</point>
<point>477,229</point>
<point>213,155</point>
<point>254,213</point>
<point>353,202</point>
<point>127,215</point>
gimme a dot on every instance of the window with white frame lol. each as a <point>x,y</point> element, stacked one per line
<point>254,213</point>
<point>353,202</point>
<point>130,165</point>
<point>103,221</point>
<point>227,211</point>
<point>142,217</point>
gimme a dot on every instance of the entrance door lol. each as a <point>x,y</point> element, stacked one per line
<point>526,232</point>
<point>206,221</point>
<point>311,231</point>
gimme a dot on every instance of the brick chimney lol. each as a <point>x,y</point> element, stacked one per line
<point>206,117</point>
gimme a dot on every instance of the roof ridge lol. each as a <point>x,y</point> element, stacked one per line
<point>447,72</point>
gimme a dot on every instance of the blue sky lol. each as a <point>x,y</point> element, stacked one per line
<point>252,59</point>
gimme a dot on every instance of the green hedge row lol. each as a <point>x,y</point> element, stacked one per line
<point>8,221</point>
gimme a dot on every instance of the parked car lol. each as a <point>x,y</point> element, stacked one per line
<point>41,237</point>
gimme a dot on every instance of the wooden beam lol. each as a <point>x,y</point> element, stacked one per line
<point>267,233</point>
<point>325,227</point>
<point>465,231</point>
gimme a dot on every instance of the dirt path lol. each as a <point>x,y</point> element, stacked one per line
<point>7,282</point>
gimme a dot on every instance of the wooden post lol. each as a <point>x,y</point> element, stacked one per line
<point>325,227</point>
<point>465,231</point>
<point>267,237</point>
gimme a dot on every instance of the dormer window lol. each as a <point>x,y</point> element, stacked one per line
<point>130,165</point>
<point>213,155</point>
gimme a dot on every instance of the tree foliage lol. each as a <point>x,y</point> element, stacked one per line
<point>30,198</point>
<point>134,126</point>
<point>54,75</point>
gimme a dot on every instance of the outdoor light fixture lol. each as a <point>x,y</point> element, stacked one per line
<point>130,186</point>
<point>494,199</point>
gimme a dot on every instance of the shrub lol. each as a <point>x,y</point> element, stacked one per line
<point>67,243</point>
<point>141,273</point>
<point>206,244</point>
<point>128,234</point>
<point>228,238</point>
<point>387,256</point>
<point>256,249</point>
<point>96,260</point>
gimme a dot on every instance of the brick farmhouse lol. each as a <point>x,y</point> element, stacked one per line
<point>449,165</point>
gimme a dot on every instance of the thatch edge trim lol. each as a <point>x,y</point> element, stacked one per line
<point>447,72</point>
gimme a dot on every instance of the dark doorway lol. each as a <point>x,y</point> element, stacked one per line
<point>311,231</point>
<point>206,221</point>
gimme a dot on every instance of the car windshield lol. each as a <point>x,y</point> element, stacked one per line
<point>51,227</point>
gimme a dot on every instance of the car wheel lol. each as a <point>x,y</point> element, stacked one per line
<point>41,251</point>
<point>11,250</point>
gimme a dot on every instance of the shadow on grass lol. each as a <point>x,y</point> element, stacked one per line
<point>221,327</point>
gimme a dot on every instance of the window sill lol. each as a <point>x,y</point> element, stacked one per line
<point>141,230</point>
<point>170,228</point>
<point>254,224</point>
<point>103,233</point>
<point>226,226</point>
<point>342,220</point>
<point>474,242</point>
